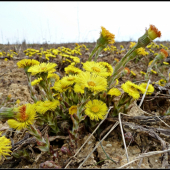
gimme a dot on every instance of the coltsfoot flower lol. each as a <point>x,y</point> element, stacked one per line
<point>27,63</point>
<point>106,36</point>
<point>150,89</point>
<point>43,107</point>
<point>72,70</point>
<point>114,92</point>
<point>36,81</point>
<point>92,81</point>
<point>25,116</point>
<point>5,146</point>
<point>108,67</point>
<point>153,32</point>
<point>42,68</point>
<point>96,109</point>
<point>95,67</point>
<point>132,89</point>
<point>73,110</point>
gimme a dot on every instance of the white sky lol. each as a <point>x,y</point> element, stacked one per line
<point>76,21</point>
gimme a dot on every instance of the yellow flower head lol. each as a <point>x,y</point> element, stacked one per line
<point>153,32</point>
<point>79,88</point>
<point>114,92</point>
<point>162,82</point>
<point>132,44</point>
<point>5,59</point>
<point>18,101</point>
<point>61,86</point>
<point>92,81</point>
<point>5,146</point>
<point>117,60</point>
<point>96,68</point>
<point>42,68</point>
<point>43,107</point>
<point>96,109</point>
<point>72,70</point>
<point>27,63</point>
<point>141,51</point>
<point>164,52</point>
<point>26,116</point>
<point>142,72</point>
<point>131,89</point>
<point>134,74</point>
<point>68,80</point>
<point>150,62</point>
<point>36,81</point>
<point>153,71</point>
<point>166,63</point>
<point>150,89</point>
<point>73,110</point>
<point>108,67</point>
<point>107,36</point>
<point>54,76</point>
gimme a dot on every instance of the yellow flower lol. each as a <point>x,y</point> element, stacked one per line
<point>142,72</point>
<point>36,81</point>
<point>108,67</point>
<point>107,36</point>
<point>68,80</point>
<point>75,59</point>
<point>134,74</point>
<point>96,68</point>
<point>26,116</point>
<point>5,146</point>
<point>150,89</point>
<point>92,81</point>
<point>153,71</point>
<point>114,91</point>
<point>55,76</point>
<point>132,44</point>
<point>141,51</point>
<point>43,107</point>
<point>5,59</point>
<point>162,82</point>
<point>166,63</point>
<point>27,63</point>
<point>72,70</point>
<point>96,109</point>
<point>150,62</point>
<point>60,86</point>
<point>42,68</point>
<point>153,32</point>
<point>18,101</point>
<point>73,110</point>
<point>131,89</point>
<point>117,60</point>
<point>79,88</point>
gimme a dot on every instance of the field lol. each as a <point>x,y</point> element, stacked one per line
<point>145,122</point>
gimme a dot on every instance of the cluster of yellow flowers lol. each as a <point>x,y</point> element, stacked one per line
<point>86,90</point>
<point>66,53</point>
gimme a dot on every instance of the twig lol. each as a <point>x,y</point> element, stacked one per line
<point>144,94</point>
<point>98,144</point>
<point>120,123</point>
<point>145,155</point>
<point>89,136</point>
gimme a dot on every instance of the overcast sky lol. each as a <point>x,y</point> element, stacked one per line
<point>76,21</point>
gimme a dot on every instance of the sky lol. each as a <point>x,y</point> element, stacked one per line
<point>80,21</point>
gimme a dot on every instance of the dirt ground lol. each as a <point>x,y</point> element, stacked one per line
<point>148,132</point>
